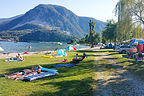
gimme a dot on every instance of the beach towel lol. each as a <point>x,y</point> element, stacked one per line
<point>38,76</point>
<point>48,56</point>
<point>46,69</point>
<point>64,65</point>
<point>13,59</point>
<point>26,52</point>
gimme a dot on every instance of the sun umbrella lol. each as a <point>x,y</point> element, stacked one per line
<point>1,49</point>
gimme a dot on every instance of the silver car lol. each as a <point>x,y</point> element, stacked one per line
<point>123,49</point>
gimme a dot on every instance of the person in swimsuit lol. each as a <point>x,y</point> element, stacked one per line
<point>19,57</point>
<point>38,70</point>
<point>20,73</point>
<point>24,73</point>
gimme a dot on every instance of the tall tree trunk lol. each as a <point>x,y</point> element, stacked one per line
<point>91,37</point>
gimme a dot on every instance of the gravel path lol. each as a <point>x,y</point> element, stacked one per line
<point>118,82</point>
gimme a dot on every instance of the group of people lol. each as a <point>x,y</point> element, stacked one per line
<point>18,57</point>
<point>25,73</point>
<point>35,70</point>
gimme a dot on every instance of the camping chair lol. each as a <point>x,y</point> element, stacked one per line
<point>140,56</point>
<point>78,60</point>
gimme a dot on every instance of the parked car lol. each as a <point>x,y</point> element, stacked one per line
<point>125,49</point>
<point>109,46</point>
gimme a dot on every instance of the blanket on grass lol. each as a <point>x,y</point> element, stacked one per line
<point>64,65</point>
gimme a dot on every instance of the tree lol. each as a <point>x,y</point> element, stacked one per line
<point>130,15</point>
<point>97,37</point>
<point>91,25</point>
<point>109,33</point>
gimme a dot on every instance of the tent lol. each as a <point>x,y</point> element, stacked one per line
<point>1,49</point>
<point>70,48</point>
<point>136,41</point>
<point>61,52</point>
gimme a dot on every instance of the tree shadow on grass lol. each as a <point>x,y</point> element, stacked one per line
<point>102,55</point>
<point>13,70</point>
<point>105,67</point>
<point>125,56</point>
<point>112,86</point>
<point>1,75</point>
<point>81,68</point>
<point>116,85</point>
<point>113,53</point>
<point>96,55</point>
<point>65,88</point>
<point>135,67</point>
<point>110,58</point>
<point>68,88</point>
<point>90,51</point>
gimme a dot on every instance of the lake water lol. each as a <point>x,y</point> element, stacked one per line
<point>13,47</point>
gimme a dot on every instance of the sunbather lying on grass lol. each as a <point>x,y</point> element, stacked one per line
<point>24,73</point>
<point>17,58</point>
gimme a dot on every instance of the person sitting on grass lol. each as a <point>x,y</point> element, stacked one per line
<point>76,55</point>
<point>24,73</point>
<point>79,59</point>
<point>19,57</point>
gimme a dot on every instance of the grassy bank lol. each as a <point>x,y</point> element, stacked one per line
<point>134,66</point>
<point>74,81</point>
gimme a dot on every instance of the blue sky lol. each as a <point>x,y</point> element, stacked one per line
<point>98,9</point>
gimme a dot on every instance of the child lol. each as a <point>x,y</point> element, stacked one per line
<point>76,56</point>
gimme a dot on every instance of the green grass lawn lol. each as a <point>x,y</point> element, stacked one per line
<point>74,81</point>
<point>134,66</point>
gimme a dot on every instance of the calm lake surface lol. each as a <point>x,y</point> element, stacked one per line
<point>13,47</point>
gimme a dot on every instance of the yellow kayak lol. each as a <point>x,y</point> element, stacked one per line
<point>48,56</point>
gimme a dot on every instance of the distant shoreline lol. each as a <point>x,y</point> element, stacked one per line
<point>12,55</point>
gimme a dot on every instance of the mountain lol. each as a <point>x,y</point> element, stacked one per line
<point>52,17</point>
<point>2,20</point>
